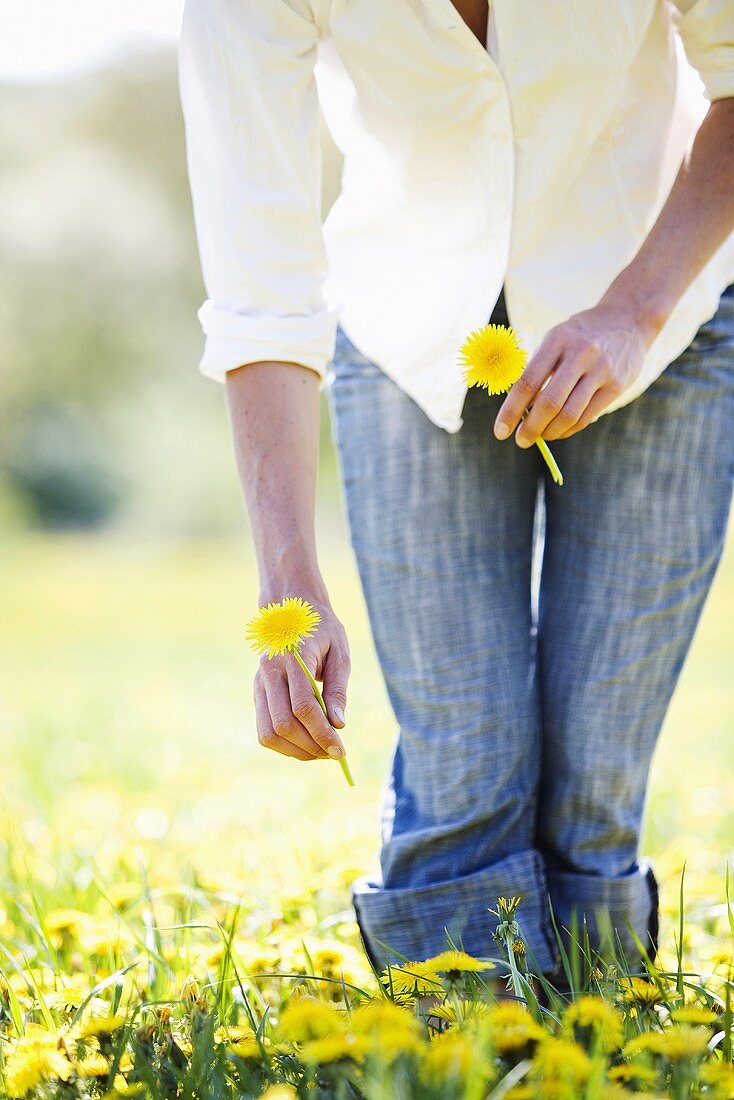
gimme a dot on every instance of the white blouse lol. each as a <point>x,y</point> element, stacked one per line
<point>540,162</point>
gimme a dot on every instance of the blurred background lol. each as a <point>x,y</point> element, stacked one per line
<point>126,572</point>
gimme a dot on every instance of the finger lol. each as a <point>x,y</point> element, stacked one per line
<point>573,407</point>
<point>284,722</point>
<point>337,667</point>
<point>603,397</point>
<point>267,736</point>
<point>549,402</point>
<point>522,392</point>
<point>307,710</point>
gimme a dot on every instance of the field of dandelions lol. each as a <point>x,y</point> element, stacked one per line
<point>175,916</point>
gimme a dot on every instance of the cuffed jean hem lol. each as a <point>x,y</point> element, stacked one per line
<point>412,921</point>
<point>609,906</point>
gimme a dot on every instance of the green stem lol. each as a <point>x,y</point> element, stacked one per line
<point>455,1001</point>
<point>550,461</point>
<point>322,704</point>
<point>546,453</point>
<point>515,976</point>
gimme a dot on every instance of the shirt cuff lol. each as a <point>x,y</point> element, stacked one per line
<point>719,84</point>
<point>235,339</point>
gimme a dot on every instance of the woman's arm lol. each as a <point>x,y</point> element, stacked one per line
<point>274,409</point>
<point>252,135</point>
<point>596,354</point>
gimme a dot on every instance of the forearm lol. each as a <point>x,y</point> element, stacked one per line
<point>274,411</point>
<point>594,356</point>
<point>694,222</point>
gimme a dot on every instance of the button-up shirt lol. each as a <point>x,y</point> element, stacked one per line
<point>539,161</point>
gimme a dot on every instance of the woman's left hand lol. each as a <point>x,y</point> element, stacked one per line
<point>590,360</point>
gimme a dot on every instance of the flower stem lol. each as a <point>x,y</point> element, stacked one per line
<point>549,459</point>
<point>322,704</point>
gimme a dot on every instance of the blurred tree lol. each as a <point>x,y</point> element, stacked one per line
<point>102,409</point>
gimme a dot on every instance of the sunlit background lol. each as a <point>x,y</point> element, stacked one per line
<point>126,727</point>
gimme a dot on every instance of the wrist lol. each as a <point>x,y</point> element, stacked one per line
<point>305,581</point>
<point>640,305</point>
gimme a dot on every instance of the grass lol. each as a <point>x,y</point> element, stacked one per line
<point>156,859</point>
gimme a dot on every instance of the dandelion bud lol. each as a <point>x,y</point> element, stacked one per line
<point>190,991</point>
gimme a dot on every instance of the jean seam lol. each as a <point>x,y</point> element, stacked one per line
<point>654,917</point>
<point>546,923</point>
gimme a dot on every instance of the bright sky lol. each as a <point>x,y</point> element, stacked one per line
<point>42,39</point>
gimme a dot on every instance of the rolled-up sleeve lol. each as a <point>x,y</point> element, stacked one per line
<point>250,107</point>
<point>706,28</point>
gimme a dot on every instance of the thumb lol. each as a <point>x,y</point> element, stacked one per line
<point>335,676</point>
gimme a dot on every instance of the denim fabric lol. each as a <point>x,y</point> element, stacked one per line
<point>530,636</point>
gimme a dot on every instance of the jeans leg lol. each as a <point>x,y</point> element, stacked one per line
<point>633,541</point>
<point>441,526</point>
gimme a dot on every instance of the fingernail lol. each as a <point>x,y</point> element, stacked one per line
<point>523,441</point>
<point>335,751</point>
<point>502,429</point>
<point>339,714</point>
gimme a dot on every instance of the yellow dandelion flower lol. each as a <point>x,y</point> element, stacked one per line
<point>306,1018</point>
<point>681,1042</point>
<point>694,1014</point>
<point>93,1064</point>
<point>561,1059</point>
<point>720,1075</point>
<point>645,1043</point>
<point>37,1057</point>
<point>68,998</point>
<point>99,1028</point>
<point>332,1048</point>
<point>65,924</point>
<point>453,1055</point>
<point>613,1091</point>
<point>601,1018</point>
<point>124,895</point>
<point>456,962</point>
<point>281,627</point>
<point>492,358</point>
<point>392,1030</point>
<point>261,961</point>
<point>233,1033</point>
<point>512,1027</point>
<point>633,1071</point>
<point>249,1048</point>
<point>642,992</point>
<point>279,1092</point>
<point>676,1043</point>
<point>125,1091</point>
<point>413,978</point>
<point>327,958</point>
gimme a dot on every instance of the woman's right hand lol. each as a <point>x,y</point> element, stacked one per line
<point>275,410</point>
<point>289,718</point>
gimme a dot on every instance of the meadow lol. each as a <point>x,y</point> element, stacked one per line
<point>175,916</point>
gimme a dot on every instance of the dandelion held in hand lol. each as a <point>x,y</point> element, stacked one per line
<point>280,628</point>
<point>493,359</point>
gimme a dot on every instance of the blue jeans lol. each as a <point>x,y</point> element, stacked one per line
<point>530,637</point>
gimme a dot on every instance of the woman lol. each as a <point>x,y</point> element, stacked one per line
<point>560,162</point>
